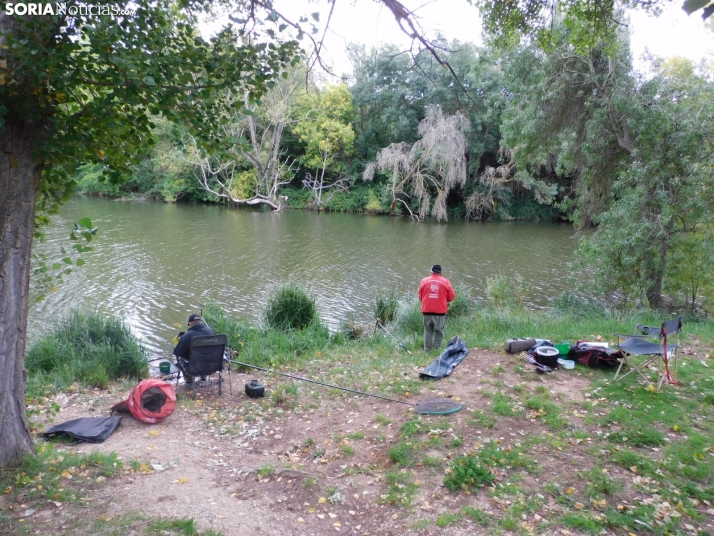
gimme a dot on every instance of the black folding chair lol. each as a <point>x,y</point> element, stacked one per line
<point>206,358</point>
<point>660,353</point>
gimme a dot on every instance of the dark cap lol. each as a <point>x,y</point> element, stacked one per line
<point>436,269</point>
<point>194,317</point>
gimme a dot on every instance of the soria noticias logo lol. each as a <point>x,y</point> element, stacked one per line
<point>63,8</point>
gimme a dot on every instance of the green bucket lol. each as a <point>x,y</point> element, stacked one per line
<point>563,349</point>
<point>165,367</point>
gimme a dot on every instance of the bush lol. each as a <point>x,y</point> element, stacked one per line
<point>466,473</point>
<point>462,305</point>
<point>503,291</point>
<point>86,348</point>
<point>291,309</point>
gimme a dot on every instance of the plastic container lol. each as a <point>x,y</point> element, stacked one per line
<point>164,367</point>
<point>566,364</point>
<point>563,348</point>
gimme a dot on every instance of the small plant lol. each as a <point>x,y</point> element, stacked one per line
<point>402,454</point>
<point>479,516</point>
<point>382,419</point>
<point>264,471</point>
<point>446,519</point>
<point>466,473</point>
<point>346,449</point>
<point>504,405</point>
<point>291,309</point>
<point>402,489</point>
<point>456,442</point>
<point>479,418</point>
<point>309,442</point>
<point>355,435</point>
<point>600,484</point>
<point>309,482</point>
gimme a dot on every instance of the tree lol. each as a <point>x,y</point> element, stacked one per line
<point>432,166</point>
<point>637,153</point>
<point>253,167</point>
<point>325,128</point>
<point>590,23</point>
<point>76,87</point>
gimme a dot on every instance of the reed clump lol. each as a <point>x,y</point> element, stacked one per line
<point>291,309</point>
<point>85,348</point>
<point>385,306</point>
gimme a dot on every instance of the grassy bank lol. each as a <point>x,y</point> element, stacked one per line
<point>573,451</point>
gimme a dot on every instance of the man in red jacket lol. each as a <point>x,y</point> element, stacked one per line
<point>435,294</point>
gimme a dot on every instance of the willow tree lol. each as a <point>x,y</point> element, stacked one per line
<point>78,87</point>
<point>430,168</point>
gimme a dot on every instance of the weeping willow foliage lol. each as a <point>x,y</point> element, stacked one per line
<point>430,168</point>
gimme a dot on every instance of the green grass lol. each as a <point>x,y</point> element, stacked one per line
<point>86,348</point>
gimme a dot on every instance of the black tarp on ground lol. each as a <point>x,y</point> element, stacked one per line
<point>444,364</point>
<point>89,429</point>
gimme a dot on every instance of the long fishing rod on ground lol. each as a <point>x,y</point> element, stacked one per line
<point>436,406</point>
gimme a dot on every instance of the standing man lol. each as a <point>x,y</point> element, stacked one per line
<point>435,294</point>
<point>196,327</point>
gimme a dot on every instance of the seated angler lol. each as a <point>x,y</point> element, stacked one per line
<point>196,327</point>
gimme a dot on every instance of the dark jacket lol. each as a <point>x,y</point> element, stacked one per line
<point>184,345</point>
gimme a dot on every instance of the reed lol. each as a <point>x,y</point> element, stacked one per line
<point>85,348</point>
<point>291,309</point>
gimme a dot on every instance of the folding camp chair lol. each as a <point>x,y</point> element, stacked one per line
<point>205,358</point>
<point>660,353</point>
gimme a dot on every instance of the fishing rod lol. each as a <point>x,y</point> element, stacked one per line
<point>400,343</point>
<point>435,406</point>
<point>319,383</point>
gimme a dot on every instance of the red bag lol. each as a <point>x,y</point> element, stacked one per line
<point>150,401</point>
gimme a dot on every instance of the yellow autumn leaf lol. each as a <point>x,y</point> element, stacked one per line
<point>570,491</point>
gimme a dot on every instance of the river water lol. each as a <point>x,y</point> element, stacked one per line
<point>154,263</point>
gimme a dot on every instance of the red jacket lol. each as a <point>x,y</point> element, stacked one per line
<point>435,292</point>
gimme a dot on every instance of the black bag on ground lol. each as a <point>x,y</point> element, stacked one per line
<point>515,346</point>
<point>89,429</point>
<point>595,356</point>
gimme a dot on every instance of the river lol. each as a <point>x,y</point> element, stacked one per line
<point>154,263</point>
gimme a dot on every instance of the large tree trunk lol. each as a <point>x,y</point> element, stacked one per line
<point>654,274</point>
<point>19,184</point>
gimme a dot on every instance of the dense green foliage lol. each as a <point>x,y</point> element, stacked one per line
<point>290,308</point>
<point>85,348</point>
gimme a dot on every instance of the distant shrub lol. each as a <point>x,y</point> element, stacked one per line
<point>291,309</point>
<point>89,349</point>
<point>504,291</point>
